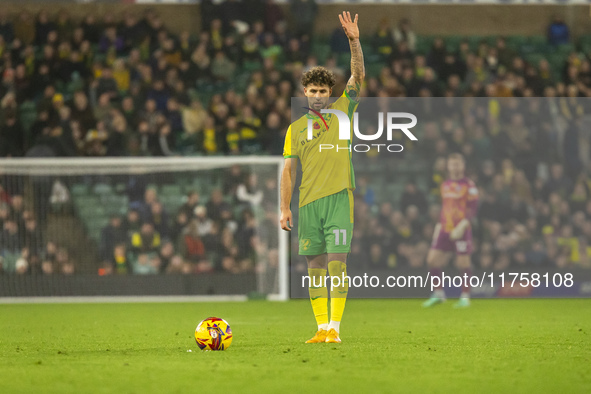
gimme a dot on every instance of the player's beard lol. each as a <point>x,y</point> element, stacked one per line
<point>318,104</point>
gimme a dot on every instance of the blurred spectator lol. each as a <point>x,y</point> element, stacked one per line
<point>106,84</point>
<point>6,27</point>
<point>404,33</point>
<point>11,135</point>
<point>273,15</point>
<point>178,266</point>
<point>111,42</point>
<point>246,239</point>
<point>132,223</point>
<point>304,14</point>
<point>147,240</point>
<point>146,264</point>
<point>233,177</point>
<point>64,261</point>
<point>24,28</point>
<point>193,118</point>
<point>113,234</point>
<point>119,259</point>
<point>383,41</point>
<point>222,68</point>
<point>33,241</point>
<point>82,112</point>
<point>10,239</point>
<point>339,43</point>
<point>558,32</point>
<point>249,193</point>
<point>144,207</point>
<point>188,208</point>
<point>43,27</point>
<point>413,196</point>
<point>190,245</point>
<point>166,254</point>
<point>557,183</point>
<point>158,216</point>
<point>203,223</point>
<point>218,209</point>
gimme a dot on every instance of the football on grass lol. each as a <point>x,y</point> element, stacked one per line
<point>213,333</point>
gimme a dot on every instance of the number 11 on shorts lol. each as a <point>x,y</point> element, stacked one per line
<point>336,236</point>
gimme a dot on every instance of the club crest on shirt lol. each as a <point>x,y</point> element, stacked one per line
<point>305,243</point>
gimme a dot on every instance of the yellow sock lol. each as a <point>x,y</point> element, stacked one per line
<point>338,294</point>
<point>318,295</point>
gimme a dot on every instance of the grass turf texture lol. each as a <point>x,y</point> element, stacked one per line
<point>388,346</point>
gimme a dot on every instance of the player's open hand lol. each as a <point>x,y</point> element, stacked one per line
<point>286,220</point>
<point>349,25</point>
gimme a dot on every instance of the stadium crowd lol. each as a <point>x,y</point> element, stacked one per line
<point>24,247</point>
<point>109,86</point>
<point>235,234</point>
<point>534,210</point>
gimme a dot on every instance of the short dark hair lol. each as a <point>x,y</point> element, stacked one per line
<point>456,155</point>
<point>318,76</point>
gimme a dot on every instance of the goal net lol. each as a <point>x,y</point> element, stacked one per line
<point>142,226</point>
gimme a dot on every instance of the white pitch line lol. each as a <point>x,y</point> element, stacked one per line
<point>121,299</point>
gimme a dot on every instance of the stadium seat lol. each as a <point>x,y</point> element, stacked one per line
<point>95,227</point>
<point>557,62</point>
<point>538,44</point>
<point>515,42</point>
<point>423,44</point>
<point>92,211</point>
<point>564,49</point>
<point>321,51</point>
<point>585,43</point>
<point>474,41</point>
<point>171,190</point>
<point>115,204</point>
<point>252,66</point>
<point>79,189</point>
<point>172,202</point>
<point>452,43</point>
<point>102,188</point>
<point>87,201</point>
<point>534,58</point>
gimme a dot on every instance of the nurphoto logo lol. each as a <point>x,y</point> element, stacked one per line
<point>392,124</point>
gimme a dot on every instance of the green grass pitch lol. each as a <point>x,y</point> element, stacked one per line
<point>517,346</point>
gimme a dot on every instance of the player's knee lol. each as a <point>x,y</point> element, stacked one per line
<point>317,264</point>
<point>342,257</point>
<point>318,261</point>
<point>336,267</point>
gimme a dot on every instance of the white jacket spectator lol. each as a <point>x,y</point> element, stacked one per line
<point>404,33</point>
<point>248,192</point>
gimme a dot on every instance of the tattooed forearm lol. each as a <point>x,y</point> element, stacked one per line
<point>357,65</point>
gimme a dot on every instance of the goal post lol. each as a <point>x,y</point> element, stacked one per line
<point>142,226</point>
